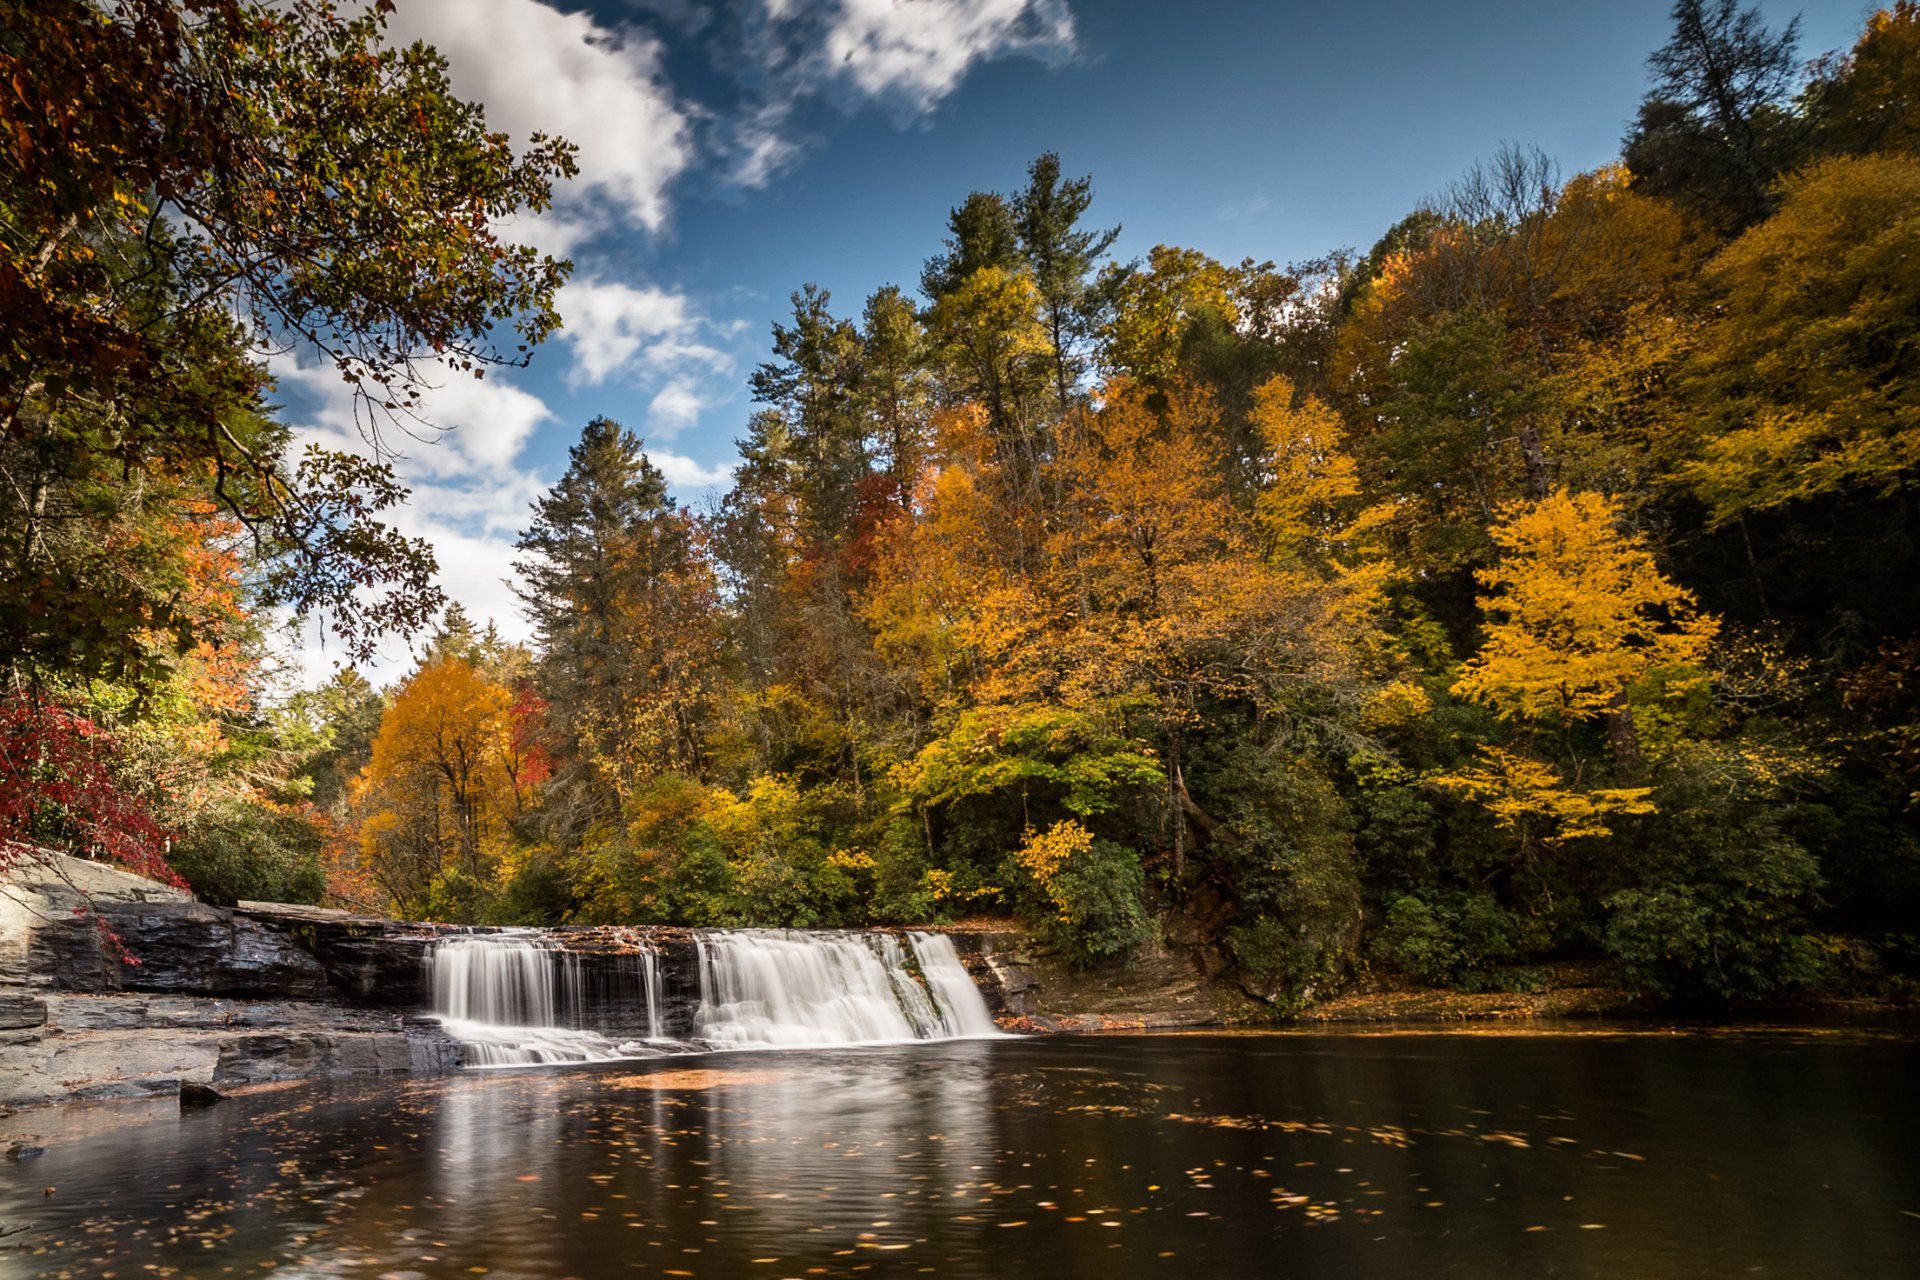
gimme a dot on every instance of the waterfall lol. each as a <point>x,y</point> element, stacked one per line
<point>788,990</point>
<point>498,994</point>
<point>962,1011</point>
<point>518,998</point>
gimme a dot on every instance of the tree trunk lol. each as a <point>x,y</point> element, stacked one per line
<point>1623,736</point>
<point>1534,455</point>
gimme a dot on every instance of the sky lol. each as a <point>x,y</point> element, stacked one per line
<point>734,150</point>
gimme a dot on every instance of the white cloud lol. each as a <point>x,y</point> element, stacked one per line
<point>908,55</point>
<point>759,149</point>
<point>607,322</point>
<point>537,69</point>
<point>466,426</point>
<point>686,475</point>
<point>917,53</point>
<point>674,408</point>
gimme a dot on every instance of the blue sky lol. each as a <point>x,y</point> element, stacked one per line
<point>732,151</point>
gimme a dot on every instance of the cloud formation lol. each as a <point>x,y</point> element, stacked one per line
<point>905,55</point>
<point>538,69</point>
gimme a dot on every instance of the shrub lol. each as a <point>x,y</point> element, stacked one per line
<point>244,849</point>
<point>1086,892</point>
<point>1454,939</point>
<point>1715,911</point>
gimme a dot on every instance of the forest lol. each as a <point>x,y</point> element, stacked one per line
<point>1540,584</point>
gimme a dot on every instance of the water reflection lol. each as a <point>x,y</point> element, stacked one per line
<point>1292,1155</point>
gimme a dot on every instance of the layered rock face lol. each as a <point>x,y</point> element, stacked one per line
<point>115,986</point>
<point>192,994</point>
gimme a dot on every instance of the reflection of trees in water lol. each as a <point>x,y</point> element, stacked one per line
<point>1239,1156</point>
<point>836,1133</point>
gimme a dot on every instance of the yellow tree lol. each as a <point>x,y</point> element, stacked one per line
<point>1311,510</point>
<point>1153,307</point>
<point>1578,612</point>
<point>1807,383</point>
<point>439,789</point>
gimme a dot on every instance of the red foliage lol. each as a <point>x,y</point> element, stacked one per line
<point>531,763</point>
<point>57,787</point>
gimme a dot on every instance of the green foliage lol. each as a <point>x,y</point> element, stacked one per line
<point>1080,759</point>
<point>1454,938</point>
<point>1716,909</point>
<point>242,849</point>
<point>1096,907</point>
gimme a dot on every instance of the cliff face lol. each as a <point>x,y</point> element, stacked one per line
<point>196,995</point>
<point>206,997</point>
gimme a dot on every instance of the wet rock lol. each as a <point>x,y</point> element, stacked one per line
<point>195,1094</point>
<point>24,1151</point>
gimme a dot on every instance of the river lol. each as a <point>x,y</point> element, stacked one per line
<point>1569,1151</point>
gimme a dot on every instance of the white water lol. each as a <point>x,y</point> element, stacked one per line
<point>514,999</point>
<point>498,994</point>
<point>962,1011</point>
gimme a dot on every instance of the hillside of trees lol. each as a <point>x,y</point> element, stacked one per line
<point>1542,583</point>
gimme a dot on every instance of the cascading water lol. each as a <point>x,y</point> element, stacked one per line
<point>786,990</point>
<point>516,998</point>
<point>962,1011</point>
<point>498,995</point>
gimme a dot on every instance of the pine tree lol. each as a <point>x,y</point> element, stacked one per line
<point>1062,257</point>
<point>617,585</point>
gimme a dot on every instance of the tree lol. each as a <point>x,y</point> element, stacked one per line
<point>189,182</point>
<point>813,384</point>
<point>1711,130</point>
<point>618,585</point>
<point>1870,99</point>
<point>896,390</point>
<point>982,233</point>
<point>58,786</point>
<point>438,792</point>
<point>1577,613</point>
<point>1062,256</point>
<point>1807,382</point>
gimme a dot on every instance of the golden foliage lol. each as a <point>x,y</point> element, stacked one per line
<point>1809,380</point>
<point>1531,798</point>
<point>1578,611</point>
<point>439,787</point>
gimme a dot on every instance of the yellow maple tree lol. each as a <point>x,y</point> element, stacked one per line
<point>1577,611</point>
<point>439,787</point>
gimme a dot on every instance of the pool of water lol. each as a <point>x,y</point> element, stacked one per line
<point>1577,1154</point>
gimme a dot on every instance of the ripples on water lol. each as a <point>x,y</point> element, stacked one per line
<point>1116,1157</point>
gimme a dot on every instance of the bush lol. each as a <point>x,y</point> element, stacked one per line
<point>1715,913</point>
<point>243,849</point>
<point>1101,913</point>
<point>1084,893</point>
<point>1286,844</point>
<point>1453,939</point>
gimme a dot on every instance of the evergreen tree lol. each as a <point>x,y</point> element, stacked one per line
<point>1062,257</point>
<point>615,581</point>
<point>1712,129</point>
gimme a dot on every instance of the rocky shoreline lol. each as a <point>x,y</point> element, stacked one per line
<point>206,998</point>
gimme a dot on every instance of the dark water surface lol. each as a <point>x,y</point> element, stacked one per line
<point>1629,1155</point>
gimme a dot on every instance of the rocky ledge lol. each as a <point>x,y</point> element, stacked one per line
<point>189,997</point>
<point>115,986</point>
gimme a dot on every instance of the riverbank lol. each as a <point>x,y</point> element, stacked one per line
<point>199,1001</point>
